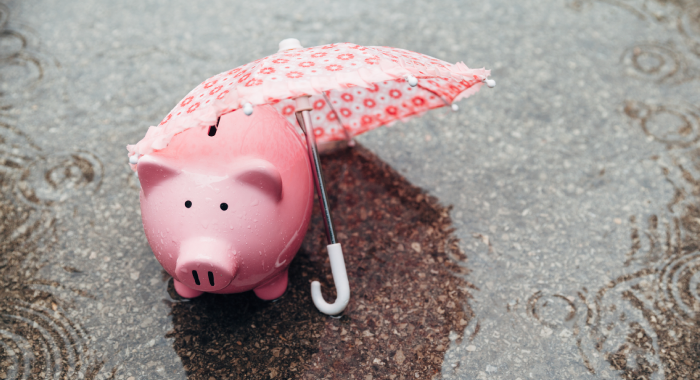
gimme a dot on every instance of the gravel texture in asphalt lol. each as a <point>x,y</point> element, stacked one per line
<point>549,229</point>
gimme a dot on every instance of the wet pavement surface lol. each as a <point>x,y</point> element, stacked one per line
<point>549,229</point>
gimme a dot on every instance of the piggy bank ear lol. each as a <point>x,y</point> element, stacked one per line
<point>153,171</point>
<point>262,175</point>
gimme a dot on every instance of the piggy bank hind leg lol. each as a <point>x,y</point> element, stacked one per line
<point>275,288</point>
<point>185,291</point>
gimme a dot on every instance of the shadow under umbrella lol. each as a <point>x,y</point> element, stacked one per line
<point>408,292</point>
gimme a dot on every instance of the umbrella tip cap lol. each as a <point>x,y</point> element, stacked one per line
<point>412,81</point>
<point>491,83</point>
<point>248,109</point>
<point>289,44</point>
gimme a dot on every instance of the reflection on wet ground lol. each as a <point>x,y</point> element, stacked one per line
<point>407,302</point>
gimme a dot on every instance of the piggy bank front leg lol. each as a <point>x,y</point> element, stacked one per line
<point>184,291</point>
<point>275,288</point>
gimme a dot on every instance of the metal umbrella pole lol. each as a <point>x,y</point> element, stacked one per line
<point>335,252</point>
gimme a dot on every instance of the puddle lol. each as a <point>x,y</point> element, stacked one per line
<point>408,300</point>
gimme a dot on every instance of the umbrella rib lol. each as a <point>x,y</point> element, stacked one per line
<point>348,137</point>
<point>434,93</point>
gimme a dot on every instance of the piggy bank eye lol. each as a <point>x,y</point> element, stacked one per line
<point>224,206</point>
<point>188,204</point>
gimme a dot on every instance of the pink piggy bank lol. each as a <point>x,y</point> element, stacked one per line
<point>226,209</point>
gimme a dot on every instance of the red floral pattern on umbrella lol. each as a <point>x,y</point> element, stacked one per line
<point>353,89</point>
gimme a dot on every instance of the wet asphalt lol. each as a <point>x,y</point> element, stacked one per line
<point>549,229</point>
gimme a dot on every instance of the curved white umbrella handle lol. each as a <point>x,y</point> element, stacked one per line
<point>340,278</point>
<point>335,252</point>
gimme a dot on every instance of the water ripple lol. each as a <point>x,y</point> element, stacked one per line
<point>673,124</point>
<point>656,62</point>
<point>50,344</point>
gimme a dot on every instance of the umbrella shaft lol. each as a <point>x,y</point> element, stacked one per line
<point>305,121</point>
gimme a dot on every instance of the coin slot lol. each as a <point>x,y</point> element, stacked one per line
<point>214,128</point>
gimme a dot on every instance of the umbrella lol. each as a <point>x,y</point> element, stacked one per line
<point>350,89</point>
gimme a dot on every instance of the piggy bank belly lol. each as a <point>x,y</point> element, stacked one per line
<point>226,208</point>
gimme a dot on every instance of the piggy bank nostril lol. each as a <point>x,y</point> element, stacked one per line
<point>188,204</point>
<point>224,206</point>
<point>196,277</point>
<point>211,279</point>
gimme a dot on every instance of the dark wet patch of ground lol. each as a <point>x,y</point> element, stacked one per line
<point>405,299</point>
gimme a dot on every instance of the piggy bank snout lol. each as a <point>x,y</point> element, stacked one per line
<point>206,264</point>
